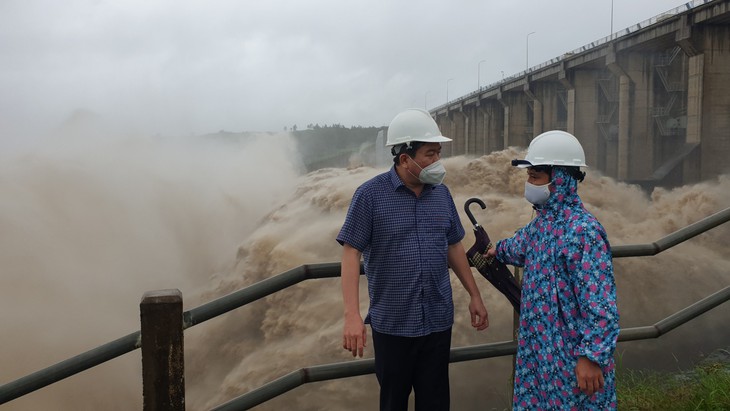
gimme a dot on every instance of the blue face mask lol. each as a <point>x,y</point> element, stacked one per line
<point>537,195</point>
<point>432,174</point>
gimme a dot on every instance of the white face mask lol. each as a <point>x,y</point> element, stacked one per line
<point>432,174</point>
<point>537,195</point>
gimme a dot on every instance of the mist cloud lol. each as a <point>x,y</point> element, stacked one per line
<point>177,68</point>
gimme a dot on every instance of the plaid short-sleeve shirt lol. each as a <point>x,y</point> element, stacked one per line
<point>404,240</point>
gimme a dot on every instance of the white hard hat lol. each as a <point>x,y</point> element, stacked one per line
<point>555,148</point>
<point>414,124</point>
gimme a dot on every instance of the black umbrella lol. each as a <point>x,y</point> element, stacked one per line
<point>492,269</point>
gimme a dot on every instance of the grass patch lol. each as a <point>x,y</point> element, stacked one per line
<point>706,387</point>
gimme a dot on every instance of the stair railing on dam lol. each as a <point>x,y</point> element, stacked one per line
<point>131,342</point>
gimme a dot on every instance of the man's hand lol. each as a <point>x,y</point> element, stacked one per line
<point>589,376</point>
<point>458,262</point>
<point>354,333</point>
<point>354,336</point>
<point>479,315</point>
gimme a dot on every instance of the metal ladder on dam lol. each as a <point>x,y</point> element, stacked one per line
<point>163,323</point>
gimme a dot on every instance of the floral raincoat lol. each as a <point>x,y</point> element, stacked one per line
<point>568,303</point>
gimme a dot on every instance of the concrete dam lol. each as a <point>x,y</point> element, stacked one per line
<point>649,103</point>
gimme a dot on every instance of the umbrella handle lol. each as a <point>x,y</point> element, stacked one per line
<point>468,212</point>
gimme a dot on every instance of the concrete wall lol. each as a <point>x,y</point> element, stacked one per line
<point>639,71</point>
<point>715,131</point>
<point>586,113</point>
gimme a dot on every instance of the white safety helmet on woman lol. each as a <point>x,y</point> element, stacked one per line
<point>553,148</point>
<point>414,124</point>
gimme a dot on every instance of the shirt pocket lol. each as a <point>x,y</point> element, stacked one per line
<point>435,230</point>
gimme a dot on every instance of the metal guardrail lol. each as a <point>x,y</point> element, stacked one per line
<point>69,367</point>
<point>476,352</point>
<point>130,342</point>
<point>683,234</point>
<point>260,290</point>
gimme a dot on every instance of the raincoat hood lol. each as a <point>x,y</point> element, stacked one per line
<point>565,193</point>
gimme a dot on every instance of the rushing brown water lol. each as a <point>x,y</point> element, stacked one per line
<point>86,229</point>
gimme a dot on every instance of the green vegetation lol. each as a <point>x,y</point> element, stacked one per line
<point>320,146</point>
<point>332,146</point>
<point>707,387</point>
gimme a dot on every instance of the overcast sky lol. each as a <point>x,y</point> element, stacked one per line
<point>193,67</point>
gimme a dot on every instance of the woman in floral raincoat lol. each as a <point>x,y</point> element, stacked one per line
<point>569,319</point>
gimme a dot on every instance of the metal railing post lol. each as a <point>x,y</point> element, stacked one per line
<point>163,363</point>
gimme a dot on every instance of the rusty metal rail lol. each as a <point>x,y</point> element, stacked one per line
<point>131,342</point>
<point>476,352</point>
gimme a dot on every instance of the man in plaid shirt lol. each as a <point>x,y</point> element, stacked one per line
<point>404,224</point>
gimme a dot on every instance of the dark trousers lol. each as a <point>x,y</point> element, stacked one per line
<point>420,364</point>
